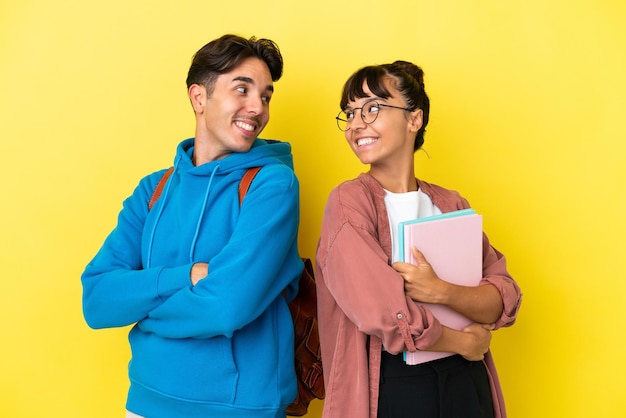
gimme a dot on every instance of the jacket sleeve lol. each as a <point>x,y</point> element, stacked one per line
<point>365,287</point>
<point>248,274</point>
<point>117,290</point>
<point>495,273</point>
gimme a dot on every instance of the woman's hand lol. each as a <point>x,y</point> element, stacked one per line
<point>478,341</point>
<point>421,283</point>
<point>472,343</point>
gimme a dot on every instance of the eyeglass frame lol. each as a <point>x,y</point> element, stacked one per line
<point>338,119</point>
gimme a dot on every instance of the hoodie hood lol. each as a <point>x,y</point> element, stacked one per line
<point>263,152</point>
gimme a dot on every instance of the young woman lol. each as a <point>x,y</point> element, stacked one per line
<point>366,299</point>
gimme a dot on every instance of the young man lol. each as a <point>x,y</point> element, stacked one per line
<point>200,275</point>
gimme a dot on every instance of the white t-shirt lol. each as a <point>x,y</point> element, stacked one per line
<point>405,207</point>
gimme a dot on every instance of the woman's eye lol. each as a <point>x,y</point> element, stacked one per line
<point>349,114</point>
<point>373,108</point>
<point>242,90</point>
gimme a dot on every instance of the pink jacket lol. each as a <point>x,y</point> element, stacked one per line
<point>361,299</point>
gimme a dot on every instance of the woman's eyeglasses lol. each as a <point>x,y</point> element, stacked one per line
<point>369,113</point>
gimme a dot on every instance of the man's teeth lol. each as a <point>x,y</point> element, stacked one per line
<point>245,126</point>
<point>365,141</point>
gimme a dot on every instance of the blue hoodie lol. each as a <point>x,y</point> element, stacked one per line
<point>222,348</point>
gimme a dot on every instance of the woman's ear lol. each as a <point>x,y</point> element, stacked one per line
<point>197,96</point>
<point>416,120</point>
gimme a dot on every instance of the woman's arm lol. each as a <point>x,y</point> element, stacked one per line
<point>355,273</point>
<point>472,343</point>
<point>481,304</point>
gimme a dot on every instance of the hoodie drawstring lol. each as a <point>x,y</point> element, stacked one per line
<point>160,211</point>
<point>204,204</point>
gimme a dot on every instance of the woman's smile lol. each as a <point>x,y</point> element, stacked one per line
<point>365,141</point>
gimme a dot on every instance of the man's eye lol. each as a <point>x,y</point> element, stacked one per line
<point>266,99</point>
<point>349,114</point>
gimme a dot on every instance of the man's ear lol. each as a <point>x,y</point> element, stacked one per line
<point>416,119</point>
<point>197,96</point>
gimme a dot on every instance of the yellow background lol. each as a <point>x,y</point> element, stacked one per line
<point>527,121</point>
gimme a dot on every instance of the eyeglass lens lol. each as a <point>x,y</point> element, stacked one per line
<point>369,113</point>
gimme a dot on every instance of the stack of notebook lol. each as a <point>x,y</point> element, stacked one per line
<point>452,244</point>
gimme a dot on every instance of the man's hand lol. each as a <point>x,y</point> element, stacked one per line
<point>198,272</point>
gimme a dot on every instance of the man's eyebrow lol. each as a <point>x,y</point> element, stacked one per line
<point>251,81</point>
